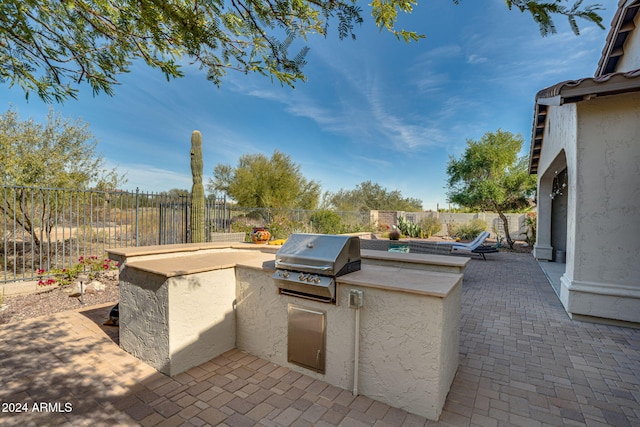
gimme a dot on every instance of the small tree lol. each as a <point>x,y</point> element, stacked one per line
<point>490,176</point>
<point>58,154</point>
<point>372,196</point>
<point>260,182</point>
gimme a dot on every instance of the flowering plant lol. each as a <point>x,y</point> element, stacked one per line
<point>64,276</point>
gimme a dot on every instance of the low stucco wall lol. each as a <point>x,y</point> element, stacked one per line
<point>408,342</point>
<point>186,321</point>
<point>176,313</point>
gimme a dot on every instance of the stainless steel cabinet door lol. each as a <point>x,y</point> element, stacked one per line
<point>306,337</point>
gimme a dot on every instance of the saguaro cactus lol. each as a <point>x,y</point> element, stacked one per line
<point>197,190</point>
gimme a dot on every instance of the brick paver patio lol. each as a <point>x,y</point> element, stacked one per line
<point>523,363</point>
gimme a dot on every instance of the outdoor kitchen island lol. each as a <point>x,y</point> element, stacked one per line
<point>182,306</point>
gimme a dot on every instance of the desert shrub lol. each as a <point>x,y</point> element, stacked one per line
<point>326,222</point>
<point>64,276</point>
<point>242,227</point>
<point>282,227</point>
<point>430,226</point>
<point>470,230</point>
<point>531,222</point>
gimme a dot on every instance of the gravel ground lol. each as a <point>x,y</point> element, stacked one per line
<point>54,300</point>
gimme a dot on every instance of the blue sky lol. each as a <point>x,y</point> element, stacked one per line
<point>372,109</point>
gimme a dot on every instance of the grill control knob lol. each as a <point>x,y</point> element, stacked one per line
<point>316,279</point>
<point>301,276</point>
<point>284,274</point>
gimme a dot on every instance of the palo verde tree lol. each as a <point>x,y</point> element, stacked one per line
<point>490,176</point>
<point>61,153</point>
<point>51,47</point>
<point>261,182</point>
<point>372,196</point>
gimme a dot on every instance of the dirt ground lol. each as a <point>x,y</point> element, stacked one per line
<point>56,299</point>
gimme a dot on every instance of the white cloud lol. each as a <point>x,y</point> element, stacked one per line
<point>476,59</point>
<point>152,179</point>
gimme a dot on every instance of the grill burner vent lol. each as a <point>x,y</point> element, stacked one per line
<point>307,264</point>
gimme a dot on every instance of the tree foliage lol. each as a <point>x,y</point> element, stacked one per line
<point>371,196</point>
<point>51,47</point>
<point>490,176</point>
<point>542,13</point>
<point>261,182</point>
<point>61,153</point>
<point>58,154</point>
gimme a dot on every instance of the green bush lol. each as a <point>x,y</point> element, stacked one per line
<point>470,230</point>
<point>430,226</point>
<point>281,227</point>
<point>242,227</point>
<point>327,222</point>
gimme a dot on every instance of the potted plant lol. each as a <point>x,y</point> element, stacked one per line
<point>394,234</point>
<point>260,235</point>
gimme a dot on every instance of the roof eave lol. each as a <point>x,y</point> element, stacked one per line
<point>622,25</point>
<point>571,92</point>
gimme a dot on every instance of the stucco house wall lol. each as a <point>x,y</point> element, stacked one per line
<point>631,58</point>
<point>608,188</point>
<point>559,153</point>
<point>597,141</point>
<point>591,127</point>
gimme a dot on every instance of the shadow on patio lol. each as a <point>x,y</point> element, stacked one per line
<point>523,362</point>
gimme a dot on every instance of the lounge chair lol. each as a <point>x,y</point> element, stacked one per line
<point>477,241</point>
<point>476,246</point>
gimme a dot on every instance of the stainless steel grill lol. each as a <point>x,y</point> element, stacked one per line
<point>307,264</point>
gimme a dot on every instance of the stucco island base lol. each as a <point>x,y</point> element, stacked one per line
<point>175,318</point>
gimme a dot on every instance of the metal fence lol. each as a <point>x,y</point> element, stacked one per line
<point>47,228</point>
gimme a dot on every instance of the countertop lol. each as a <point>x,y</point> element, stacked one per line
<point>444,260</point>
<point>392,278</point>
<point>198,263</point>
<point>399,279</point>
<point>188,248</point>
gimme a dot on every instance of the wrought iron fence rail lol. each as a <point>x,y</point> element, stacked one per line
<point>51,228</point>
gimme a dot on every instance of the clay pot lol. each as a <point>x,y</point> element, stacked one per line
<point>260,235</point>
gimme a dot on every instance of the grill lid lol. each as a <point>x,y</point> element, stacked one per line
<point>325,254</point>
<point>307,264</point>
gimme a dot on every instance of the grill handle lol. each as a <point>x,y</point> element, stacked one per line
<point>302,266</point>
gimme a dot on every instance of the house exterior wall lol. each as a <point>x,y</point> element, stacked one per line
<point>605,271</point>
<point>631,58</point>
<point>559,152</point>
<point>599,142</point>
